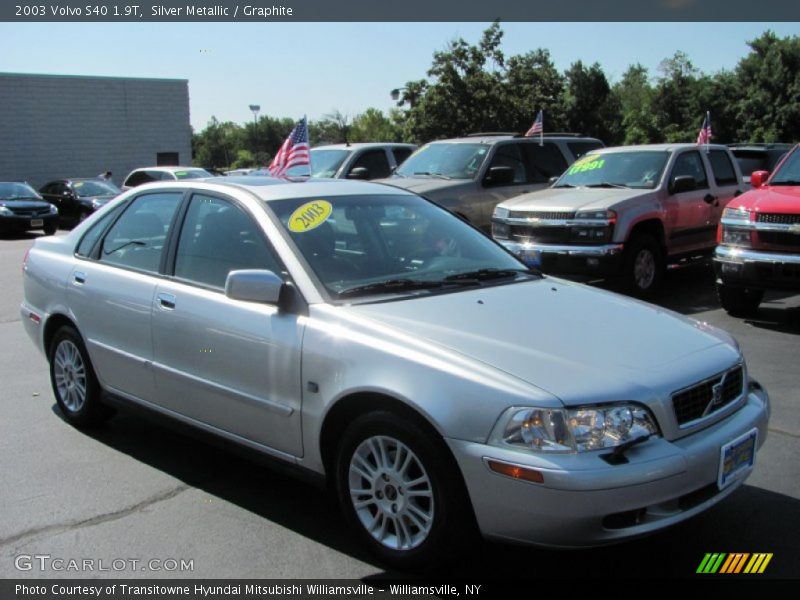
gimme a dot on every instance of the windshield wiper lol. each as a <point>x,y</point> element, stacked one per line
<point>431,174</point>
<point>487,274</point>
<point>390,285</point>
<point>125,245</point>
<point>607,184</point>
<point>785,182</point>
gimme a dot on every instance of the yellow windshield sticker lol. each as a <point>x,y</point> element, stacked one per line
<point>310,216</point>
<point>587,163</point>
<point>77,184</point>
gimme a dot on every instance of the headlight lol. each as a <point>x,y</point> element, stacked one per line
<point>599,227</point>
<point>736,214</point>
<point>500,212</point>
<point>735,237</point>
<point>600,215</point>
<point>5,211</point>
<point>53,209</point>
<point>572,430</point>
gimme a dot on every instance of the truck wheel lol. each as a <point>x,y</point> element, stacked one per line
<point>739,301</point>
<point>643,264</point>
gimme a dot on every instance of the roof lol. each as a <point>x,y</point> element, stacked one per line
<point>169,169</point>
<point>355,145</point>
<point>492,139</point>
<point>657,148</point>
<point>271,188</point>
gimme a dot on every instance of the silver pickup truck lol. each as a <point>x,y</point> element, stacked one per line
<point>625,211</point>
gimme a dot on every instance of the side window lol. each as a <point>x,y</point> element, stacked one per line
<point>95,231</point>
<point>138,178</point>
<point>724,173</point>
<point>510,155</point>
<point>690,163</point>
<point>137,238</point>
<point>48,189</point>
<point>376,162</point>
<point>544,162</point>
<point>400,154</point>
<point>218,237</point>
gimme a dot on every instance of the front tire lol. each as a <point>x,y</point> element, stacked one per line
<point>74,382</point>
<point>50,228</point>
<point>643,265</point>
<point>401,491</point>
<point>739,301</point>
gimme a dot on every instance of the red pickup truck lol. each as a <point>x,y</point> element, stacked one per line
<point>759,239</point>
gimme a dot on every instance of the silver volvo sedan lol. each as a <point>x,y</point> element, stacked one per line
<point>362,333</point>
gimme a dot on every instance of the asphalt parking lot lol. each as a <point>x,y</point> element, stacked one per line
<point>137,490</point>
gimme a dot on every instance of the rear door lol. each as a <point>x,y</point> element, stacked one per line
<point>690,214</point>
<point>512,155</point>
<point>232,365</point>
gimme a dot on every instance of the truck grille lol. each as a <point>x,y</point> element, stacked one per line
<point>551,215</point>
<point>708,396</point>
<point>777,218</point>
<point>779,238</point>
<point>540,235</point>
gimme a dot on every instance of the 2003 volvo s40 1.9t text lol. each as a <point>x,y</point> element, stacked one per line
<point>367,335</point>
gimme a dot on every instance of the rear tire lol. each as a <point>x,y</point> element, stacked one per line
<point>643,265</point>
<point>75,385</point>
<point>739,301</point>
<point>401,491</point>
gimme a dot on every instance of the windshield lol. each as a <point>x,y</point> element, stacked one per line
<point>18,191</point>
<point>192,174</point>
<point>95,187</point>
<point>637,169</point>
<point>324,163</point>
<point>368,245</point>
<point>789,171</point>
<point>447,160</point>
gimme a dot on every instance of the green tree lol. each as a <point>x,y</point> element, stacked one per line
<point>532,84</point>
<point>589,106</point>
<point>634,95</point>
<point>769,80</point>
<point>373,126</point>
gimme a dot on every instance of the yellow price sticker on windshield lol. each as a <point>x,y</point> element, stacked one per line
<point>310,216</point>
<point>588,163</point>
<point>77,184</point>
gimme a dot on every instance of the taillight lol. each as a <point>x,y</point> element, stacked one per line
<point>25,260</point>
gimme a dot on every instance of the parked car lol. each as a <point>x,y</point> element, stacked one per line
<point>367,160</point>
<point>371,338</point>
<point>240,171</point>
<point>626,211</point>
<point>77,198</point>
<point>23,209</point>
<point>759,239</point>
<point>758,157</point>
<point>470,175</point>
<point>151,174</point>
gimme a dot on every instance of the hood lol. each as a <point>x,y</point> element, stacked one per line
<point>771,199</point>
<point>25,204</point>
<point>424,186</point>
<point>572,199</point>
<point>577,343</point>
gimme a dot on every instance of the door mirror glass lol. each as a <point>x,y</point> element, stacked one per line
<point>499,176</point>
<point>758,178</point>
<point>683,183</point>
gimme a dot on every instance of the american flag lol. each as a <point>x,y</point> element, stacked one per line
<point>293,151</point>
<point>537,127</point>
<point>704,137</point>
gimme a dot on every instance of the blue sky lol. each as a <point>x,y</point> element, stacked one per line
<point>291,69</point>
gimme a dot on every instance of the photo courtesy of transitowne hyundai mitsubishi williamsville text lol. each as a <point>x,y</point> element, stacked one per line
<point>219,10</point>
<point>382,345</point>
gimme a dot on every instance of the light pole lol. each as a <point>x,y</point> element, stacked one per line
<point>256,109</point>
<point>395,94</point>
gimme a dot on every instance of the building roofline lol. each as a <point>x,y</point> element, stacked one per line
<point>105,77</point>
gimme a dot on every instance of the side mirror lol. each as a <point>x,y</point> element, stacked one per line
<point>358,173</point>
<point>758,178</point>
<point>553,179</point>
<point>254,285</point>
<point>499,176</point>
<point>683,183</point>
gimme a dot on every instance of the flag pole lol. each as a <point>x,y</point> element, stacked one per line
<point>541,129</point>
<point>708,129</point>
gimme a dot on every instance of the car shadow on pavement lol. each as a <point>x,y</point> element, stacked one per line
<point>751,520</point>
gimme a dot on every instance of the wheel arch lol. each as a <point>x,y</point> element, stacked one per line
<point>52,325</point>
<point>651,226</point>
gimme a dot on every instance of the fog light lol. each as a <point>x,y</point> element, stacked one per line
<point>593,262</point>
<point>515,471</point>
<point>731,268</point>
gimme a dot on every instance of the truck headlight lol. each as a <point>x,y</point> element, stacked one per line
<point>500,212</point>
<point>572,430</point>
<point>5,211</point>
<point>736,214</point>
<point>735,237</point>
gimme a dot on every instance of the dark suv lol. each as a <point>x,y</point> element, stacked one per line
<point>470,175</point>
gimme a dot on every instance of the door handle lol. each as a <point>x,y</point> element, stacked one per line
<point>709,199</point>
<point>79,277</point>
<point>166,301</point>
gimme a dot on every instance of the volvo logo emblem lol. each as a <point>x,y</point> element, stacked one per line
<point>716,394</point>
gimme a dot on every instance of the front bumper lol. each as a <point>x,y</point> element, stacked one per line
<point>583,501</point>
<point>743,267</point>
<point>18,223</point>
<point>603,261</point>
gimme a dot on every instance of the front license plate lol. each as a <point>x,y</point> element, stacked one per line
<point>532,258</point>
<point>737,458</point>
<point>37,222</point>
